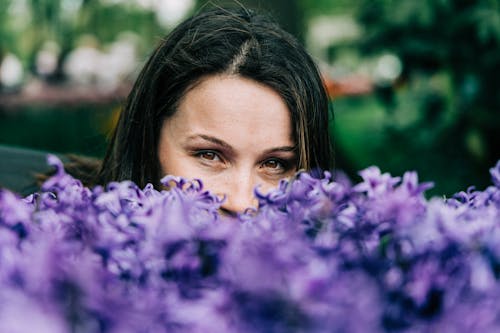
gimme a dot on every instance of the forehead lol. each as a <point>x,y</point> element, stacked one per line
<point>237,110</point>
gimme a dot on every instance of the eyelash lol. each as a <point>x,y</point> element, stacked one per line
<point>216,154</point>
<point>283,165</point>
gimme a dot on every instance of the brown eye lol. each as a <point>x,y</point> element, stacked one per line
<point>208,155</point>
<point>273,164</point>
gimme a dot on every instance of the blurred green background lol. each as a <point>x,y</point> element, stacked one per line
<point>414,83</point>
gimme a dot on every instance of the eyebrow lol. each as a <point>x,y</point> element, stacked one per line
<point>227,146</point>
<point>211,139</point>
<point>285,149</point>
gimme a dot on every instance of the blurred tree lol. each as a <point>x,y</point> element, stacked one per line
<point>3,31</point>
<point>450,51</point>
<point>312,8</point>
<point>8,38</point>
<point>65,21</point>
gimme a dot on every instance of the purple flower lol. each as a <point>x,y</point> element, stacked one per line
<point>317,256</point>
<point>375,183</point>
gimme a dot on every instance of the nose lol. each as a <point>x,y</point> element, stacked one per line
<point>239,195</point>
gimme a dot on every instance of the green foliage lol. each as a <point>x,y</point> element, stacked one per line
<point>81,130</point>
<point>312,8</point>
<point>442,116</point>
<point>65,22</point>
<point>107,21</point>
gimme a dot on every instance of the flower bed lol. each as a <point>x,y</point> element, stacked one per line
<point>318,256</point>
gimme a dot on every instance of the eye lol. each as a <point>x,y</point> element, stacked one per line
<point>208,155</point>
<point>275,165</point>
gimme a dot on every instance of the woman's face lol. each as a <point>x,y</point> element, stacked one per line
<point>232,133</point>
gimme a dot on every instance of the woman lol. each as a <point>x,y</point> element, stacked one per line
<point>227,97</point>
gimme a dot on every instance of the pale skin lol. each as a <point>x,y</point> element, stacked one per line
<point>234,134</point>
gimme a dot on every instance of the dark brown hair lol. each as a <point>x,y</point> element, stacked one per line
<point>219,41</point>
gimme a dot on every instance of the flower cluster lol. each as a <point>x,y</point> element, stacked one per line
<point>317,256</point>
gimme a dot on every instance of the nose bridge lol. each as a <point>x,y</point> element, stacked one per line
<point>239,191</point>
